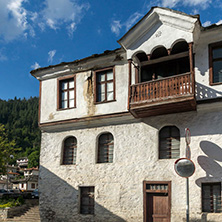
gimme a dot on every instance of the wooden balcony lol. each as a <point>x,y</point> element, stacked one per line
<point>169,95</point>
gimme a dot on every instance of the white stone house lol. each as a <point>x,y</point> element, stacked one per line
<point>113,126</point>
<point>31,172</point>
<point>22,162</point>
<point>27,184</point>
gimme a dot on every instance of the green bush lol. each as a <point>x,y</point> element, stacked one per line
<point>11,202</point>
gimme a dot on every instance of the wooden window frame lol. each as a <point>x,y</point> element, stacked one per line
<point>211,47</point>
<point>107,144</point>
<point>114,85</point>
<point>145,191</point>
<point>202,200</point>
<point>33,185</point>
<point>59,80</point>
<point>170,148</point>
<point>92,206</point>
<point>73,152</point>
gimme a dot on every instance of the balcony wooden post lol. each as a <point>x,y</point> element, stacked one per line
<point>192,66</point>
<point>136,74</point>
<point>130,76</point>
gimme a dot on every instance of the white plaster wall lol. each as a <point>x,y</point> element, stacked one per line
<point>118,185</point>
<point>159,35</point>
<point>85,106</point>
<point>29,187</point>
<point>24,187</point>
<point>203,88</point>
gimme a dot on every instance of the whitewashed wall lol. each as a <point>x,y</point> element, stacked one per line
<point>85,106</point>
<point>203,88</point>
<point>118,185</point>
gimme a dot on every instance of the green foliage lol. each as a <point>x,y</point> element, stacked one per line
<point>5,202</point>
<point>20,117</point>
<point>33,159</point>
<point>7,148</point>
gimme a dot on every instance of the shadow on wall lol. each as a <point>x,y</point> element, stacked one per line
<point>210,166</point>
<point>146,36</point>
<point>204,92</point>
<point>59,202</point>
<point>208,163</point>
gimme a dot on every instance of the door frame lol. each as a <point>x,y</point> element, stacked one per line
<point>145,191</point>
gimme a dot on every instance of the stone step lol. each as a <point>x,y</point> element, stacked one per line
<point>31,215</point>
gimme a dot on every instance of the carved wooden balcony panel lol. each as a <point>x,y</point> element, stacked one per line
<point>163,96</point>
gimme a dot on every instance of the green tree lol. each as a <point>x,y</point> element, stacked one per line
<point>33,159</point>
<point>20,117</point>
<point>7,148</point>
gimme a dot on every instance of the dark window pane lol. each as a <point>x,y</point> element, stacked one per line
<point>70,150</point>
<point>105,148</point>
<point>217,53</point>
<point>211,198</point>
<point>217,71</point>
<point>87,200</point>
<point>169,142</point>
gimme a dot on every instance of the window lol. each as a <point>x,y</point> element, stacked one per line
<point>169,142</point>
<point>105,148</point>
<point>215,63</point>
<point>87,200</point>
<point>32,185</point>
<point>69,151</point>
<point>67,93</point>
<point>105,85</point>
<point>211,197</point>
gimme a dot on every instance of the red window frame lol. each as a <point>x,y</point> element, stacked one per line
<point>105,150</point>
<point>212,47</point>
<point>69,152</point>
<point>59,91</point>
<point>105,82</point>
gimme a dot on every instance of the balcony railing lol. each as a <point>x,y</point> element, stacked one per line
<point>161,89</point>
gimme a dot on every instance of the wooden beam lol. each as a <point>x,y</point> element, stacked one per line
<point>130,77</point>
<point>192,66</point>
<point>165,58</point>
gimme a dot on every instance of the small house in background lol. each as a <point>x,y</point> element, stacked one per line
<point>3,183</point>
<point>28,172</point>
<point>29,183</point>
<point>22,162</point>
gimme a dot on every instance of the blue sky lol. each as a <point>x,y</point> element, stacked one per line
<point>38,33</point>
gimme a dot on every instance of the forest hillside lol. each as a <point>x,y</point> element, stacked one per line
<point>20,118</point>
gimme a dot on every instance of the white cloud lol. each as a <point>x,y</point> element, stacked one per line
<point>132,20</point>
<point>169,3</point>
<point>115,27</point>
<point>207,23</point>
<point>41,26</point>
<point>13,19</point>
<point>51,55</point>
<point>57,12</point>
<point>195,11</point>
<point>34,16</point>
<point>172,3</point>
<point>16,21</point>
<point>2,56</point>
<point>35,66</point>
<point>71,28</point>
<point>219,22</point>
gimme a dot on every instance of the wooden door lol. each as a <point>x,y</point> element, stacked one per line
<point>157,207</point>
